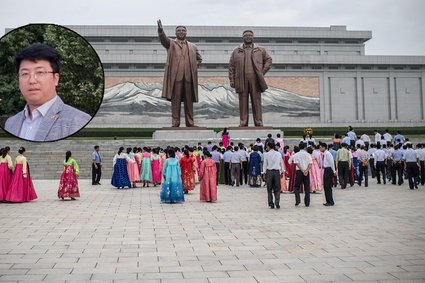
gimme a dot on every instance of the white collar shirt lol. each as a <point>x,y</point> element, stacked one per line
<point>31,125</point>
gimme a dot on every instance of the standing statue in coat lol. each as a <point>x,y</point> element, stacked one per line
<point>181,74</point>
<point>247,67</point>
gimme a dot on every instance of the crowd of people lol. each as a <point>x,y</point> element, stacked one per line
<point>308,167</point>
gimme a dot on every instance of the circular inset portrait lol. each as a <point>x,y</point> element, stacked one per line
<point>51,82</point>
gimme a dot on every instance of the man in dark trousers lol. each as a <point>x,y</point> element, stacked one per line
<point>328,174</point>
<point>273,169</point>
<point>181,74</point>
<point>96,167</point>
<point>303,163</point>
<point>247,67</point>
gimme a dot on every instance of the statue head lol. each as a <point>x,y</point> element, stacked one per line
<point>248,36</point>
<point>181,32</point>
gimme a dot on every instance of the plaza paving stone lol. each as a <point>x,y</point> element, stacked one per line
<point>374,234</point>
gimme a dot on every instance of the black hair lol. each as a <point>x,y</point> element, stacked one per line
<point>67,155</point>
<point>21,150</point>
<point>186,153</point>
<point>128,150</point>
<point>208,154</point>
<point>121,149</point>
<point>5,151</point>
<point>96,147</point>
<point>171,153</point>
<point>38,51</point>
<point>301,145</point>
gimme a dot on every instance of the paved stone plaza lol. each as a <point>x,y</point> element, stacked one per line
<point>371,235</point>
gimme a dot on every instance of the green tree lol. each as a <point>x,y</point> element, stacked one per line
<point>81,77</point>
<point>10,99</point>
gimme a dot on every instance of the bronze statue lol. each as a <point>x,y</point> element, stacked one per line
<point>247,67</point>
<point>181,74</point>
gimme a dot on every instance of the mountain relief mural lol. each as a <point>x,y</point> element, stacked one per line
<point>139,104</point>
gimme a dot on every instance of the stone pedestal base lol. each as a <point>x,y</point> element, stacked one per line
<point>190,133</point>
<point>252,133</point>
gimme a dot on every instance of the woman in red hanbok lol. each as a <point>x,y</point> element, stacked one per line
<point>207,176</point>
<point>156,167</point>
<point>187,165</point>
<point>21,188</point>
<point>68,185</point>
<point>292,172</point>
<point>6,166</point>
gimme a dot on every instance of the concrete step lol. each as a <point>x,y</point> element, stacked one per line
<point>46,159</point>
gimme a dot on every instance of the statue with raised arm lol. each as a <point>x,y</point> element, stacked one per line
<point>247,67</point>
<point>181,74</point>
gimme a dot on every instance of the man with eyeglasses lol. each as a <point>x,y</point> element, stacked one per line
<point>45,117</point>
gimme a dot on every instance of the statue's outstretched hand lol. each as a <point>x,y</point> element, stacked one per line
<point>160,29</point>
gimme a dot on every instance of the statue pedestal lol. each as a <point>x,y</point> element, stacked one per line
<point>251,133</point>
<point>188,133</point>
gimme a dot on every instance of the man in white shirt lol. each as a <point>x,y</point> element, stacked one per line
<point>380,157</point>
<point>235,166</point>
<point>273,169</point>
<point>366,139</point>
<point>377,136</point>
<point>387,136</point>
<point>363,157</point>
<point>328,174</point>
<point>303,163</point>
<point>244,169</point>
<point>411,166</point>
<point>227,174</point>
<point>371,152</point>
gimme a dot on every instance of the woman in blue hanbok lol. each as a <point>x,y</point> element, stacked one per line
<point>172,186</point>
<point>120,177</point>
<point>254,168</point>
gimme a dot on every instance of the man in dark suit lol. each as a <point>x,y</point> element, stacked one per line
<point>181,74</point>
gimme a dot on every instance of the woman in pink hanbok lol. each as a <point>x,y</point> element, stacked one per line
<point>316,174</point>
<point>156,167</point>
<point>6,166</point>
<point>208,178</point>
<point>21,188</point>
<point>132,167</point>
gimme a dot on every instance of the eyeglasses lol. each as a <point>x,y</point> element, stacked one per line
<point>37,75</point>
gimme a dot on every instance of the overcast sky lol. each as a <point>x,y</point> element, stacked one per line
<point>398,26</point>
